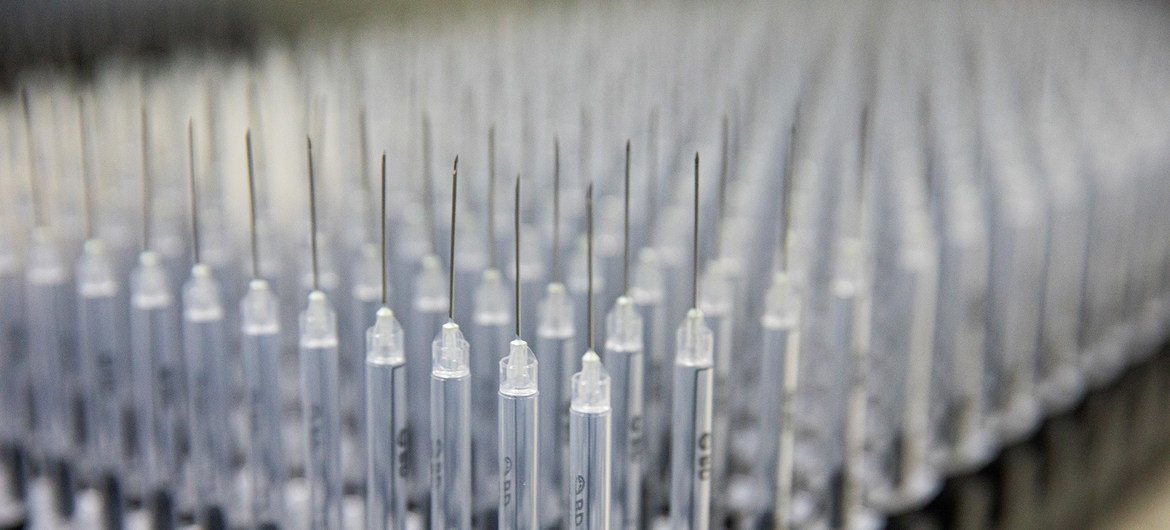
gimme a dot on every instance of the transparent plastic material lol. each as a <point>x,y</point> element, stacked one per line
<point>365,301</point>
<point>556,338</point>
<point>48,305</point>
<point>386,421</point>
<point>106,364</point>
<point>518,458</point>
<point>692,444</point>
<point>429,312</point>
<point>781,351</point>
<point>647,292</point>
<point>205,349</point>
<point>491,333</point>
<point>624,355</point>
<point>717,301</point>
<point>159,382</point>
<point>260,342</point>
<point>321,411</point>
<point>450,458</point>
<point>14,379</point>
<point>590,447</point>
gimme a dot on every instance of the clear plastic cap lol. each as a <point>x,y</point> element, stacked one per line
<point>449,352</point>
<point>696,343</point>
<point>259,310</point>
<point>318,322</point>
<point>623,327</point>
<point>367,283</point>
<point>579,268</point>
<point>149,286</point>
<point>44,259</point>
<point>201,301</point>
<point>781,303</point>
<point>556,313</point>
<point>715,290</point>
<point>646,289</point>
<point>848,266</point>
<point>591,385</point>
<point>491,300</point>
<point>384,339</point>
<point>430,286</point>
<point>95,273</point>
<point>518,370</point>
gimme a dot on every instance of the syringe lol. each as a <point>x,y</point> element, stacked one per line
<point>14,380</point>
<point>51,342</point>
<point>850,319</point>
<point>430,304</point>
<point>716,293</point>
<point>320,395</point>
<point>781,357</point>
<point>590,439</point>
<point>157,374</point>
<point>451,410</point>
<point>205,349</point>
<point>260,343</point>
<point>780,361</point>
<point>555,336</point>
<point>518,406</point>
<point>103,351</point>
<point>365,299</point>
<point>624,355</point>
<point>387,437</point>
<point>490,332</point>
<point>717,301</point>
<point>156,366</point>
<point>47,301</point>
<point>692,401</point>
<point>647,294</point>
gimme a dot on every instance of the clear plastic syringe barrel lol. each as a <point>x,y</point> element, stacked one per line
<point>590,447</point>
<point>960,335</point>
<point>624,356</point>
<point>491,332</point>
<point>205,348</point>
<point>781,351</point>
<point>450,430</point>
<point>555,336</point>
<point>518,458</point>
<point>647,292</point>
<point>48,308</point>
<point>386,424</point>
<point>159,386</point>
<point>105,364</point>
<point>915,477</point>
<point>14,378</point>
<point>691,448</point>
<point>840,459</point>
<point>365,301</point>
<point>321,411</point>
<point>260,342</point>
<point>53,364</point>
<point>716,301</point>
<point>428,313</point>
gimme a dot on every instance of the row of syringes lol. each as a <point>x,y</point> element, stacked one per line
<point>913,254</point>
